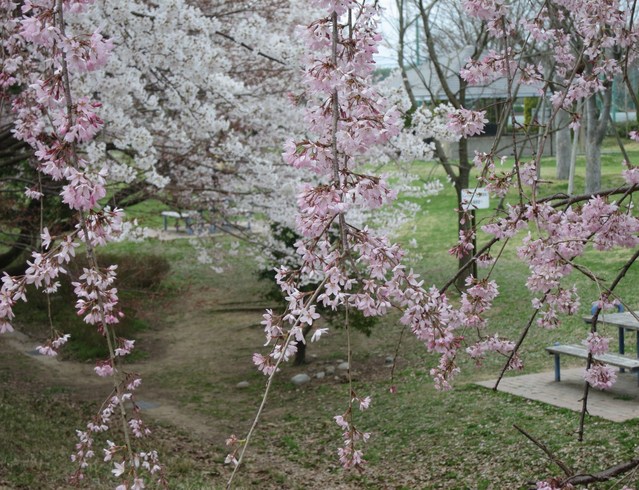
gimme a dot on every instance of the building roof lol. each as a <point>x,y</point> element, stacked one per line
<point>426,86</point>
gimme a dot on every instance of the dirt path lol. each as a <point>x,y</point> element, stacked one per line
<point>87,386</point>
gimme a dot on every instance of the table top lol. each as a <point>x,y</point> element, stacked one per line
<point>625,319</point>
<point>175,214</point>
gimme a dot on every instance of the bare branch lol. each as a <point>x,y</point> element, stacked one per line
<point>551,456</point>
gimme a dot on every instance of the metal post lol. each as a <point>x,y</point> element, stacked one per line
<point>557,368</point>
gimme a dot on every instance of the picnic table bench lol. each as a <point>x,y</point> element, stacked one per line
<point>185,215</point>
<point>617,360</point>
<point>624,321</point>
<point>195,223</point>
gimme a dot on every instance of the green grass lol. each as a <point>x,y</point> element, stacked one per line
<point>148,213</point>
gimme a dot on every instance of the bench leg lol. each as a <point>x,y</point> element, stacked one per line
<point>557,368</point>
<point>622,346</point>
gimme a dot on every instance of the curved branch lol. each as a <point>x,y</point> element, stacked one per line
<point>604,475</point>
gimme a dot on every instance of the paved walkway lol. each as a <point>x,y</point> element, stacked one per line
<point>619,404</point>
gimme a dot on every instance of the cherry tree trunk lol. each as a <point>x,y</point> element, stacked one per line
<point>563,144</point>
<point>464,224</point>
<point>596,127</point>
<point>593,166</point>
<point>594,138</point>
<point>300,354</point>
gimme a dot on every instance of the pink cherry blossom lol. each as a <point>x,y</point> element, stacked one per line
<point>596,344</point>
<point>118,468</point>
<point>104,369</point>
<point>467,123</point>
<point>600,376</point>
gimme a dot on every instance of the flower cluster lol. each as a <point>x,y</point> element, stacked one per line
<point>581,52</point>
<point>349,455</point>
<point>128,466</point>
<point>349,118</point>
<point>553,484</point>
<point>495,344</point>
<point>600,375</point>
<point>596,344</point>
<point>466,122</point>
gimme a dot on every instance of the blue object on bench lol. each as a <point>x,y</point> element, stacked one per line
<point>594,308</point>
<point>188,223</point>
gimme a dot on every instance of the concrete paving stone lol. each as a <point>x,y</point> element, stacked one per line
<point>618,404</point>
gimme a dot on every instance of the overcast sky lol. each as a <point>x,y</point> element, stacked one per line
<point>387,56</point>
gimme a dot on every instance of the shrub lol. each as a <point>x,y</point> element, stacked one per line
<point>137,275</point>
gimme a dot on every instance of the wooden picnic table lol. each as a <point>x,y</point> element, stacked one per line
<point>187,216</point>
<point>624,321</point>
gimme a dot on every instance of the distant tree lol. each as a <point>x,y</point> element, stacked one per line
<point>437,18</point>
